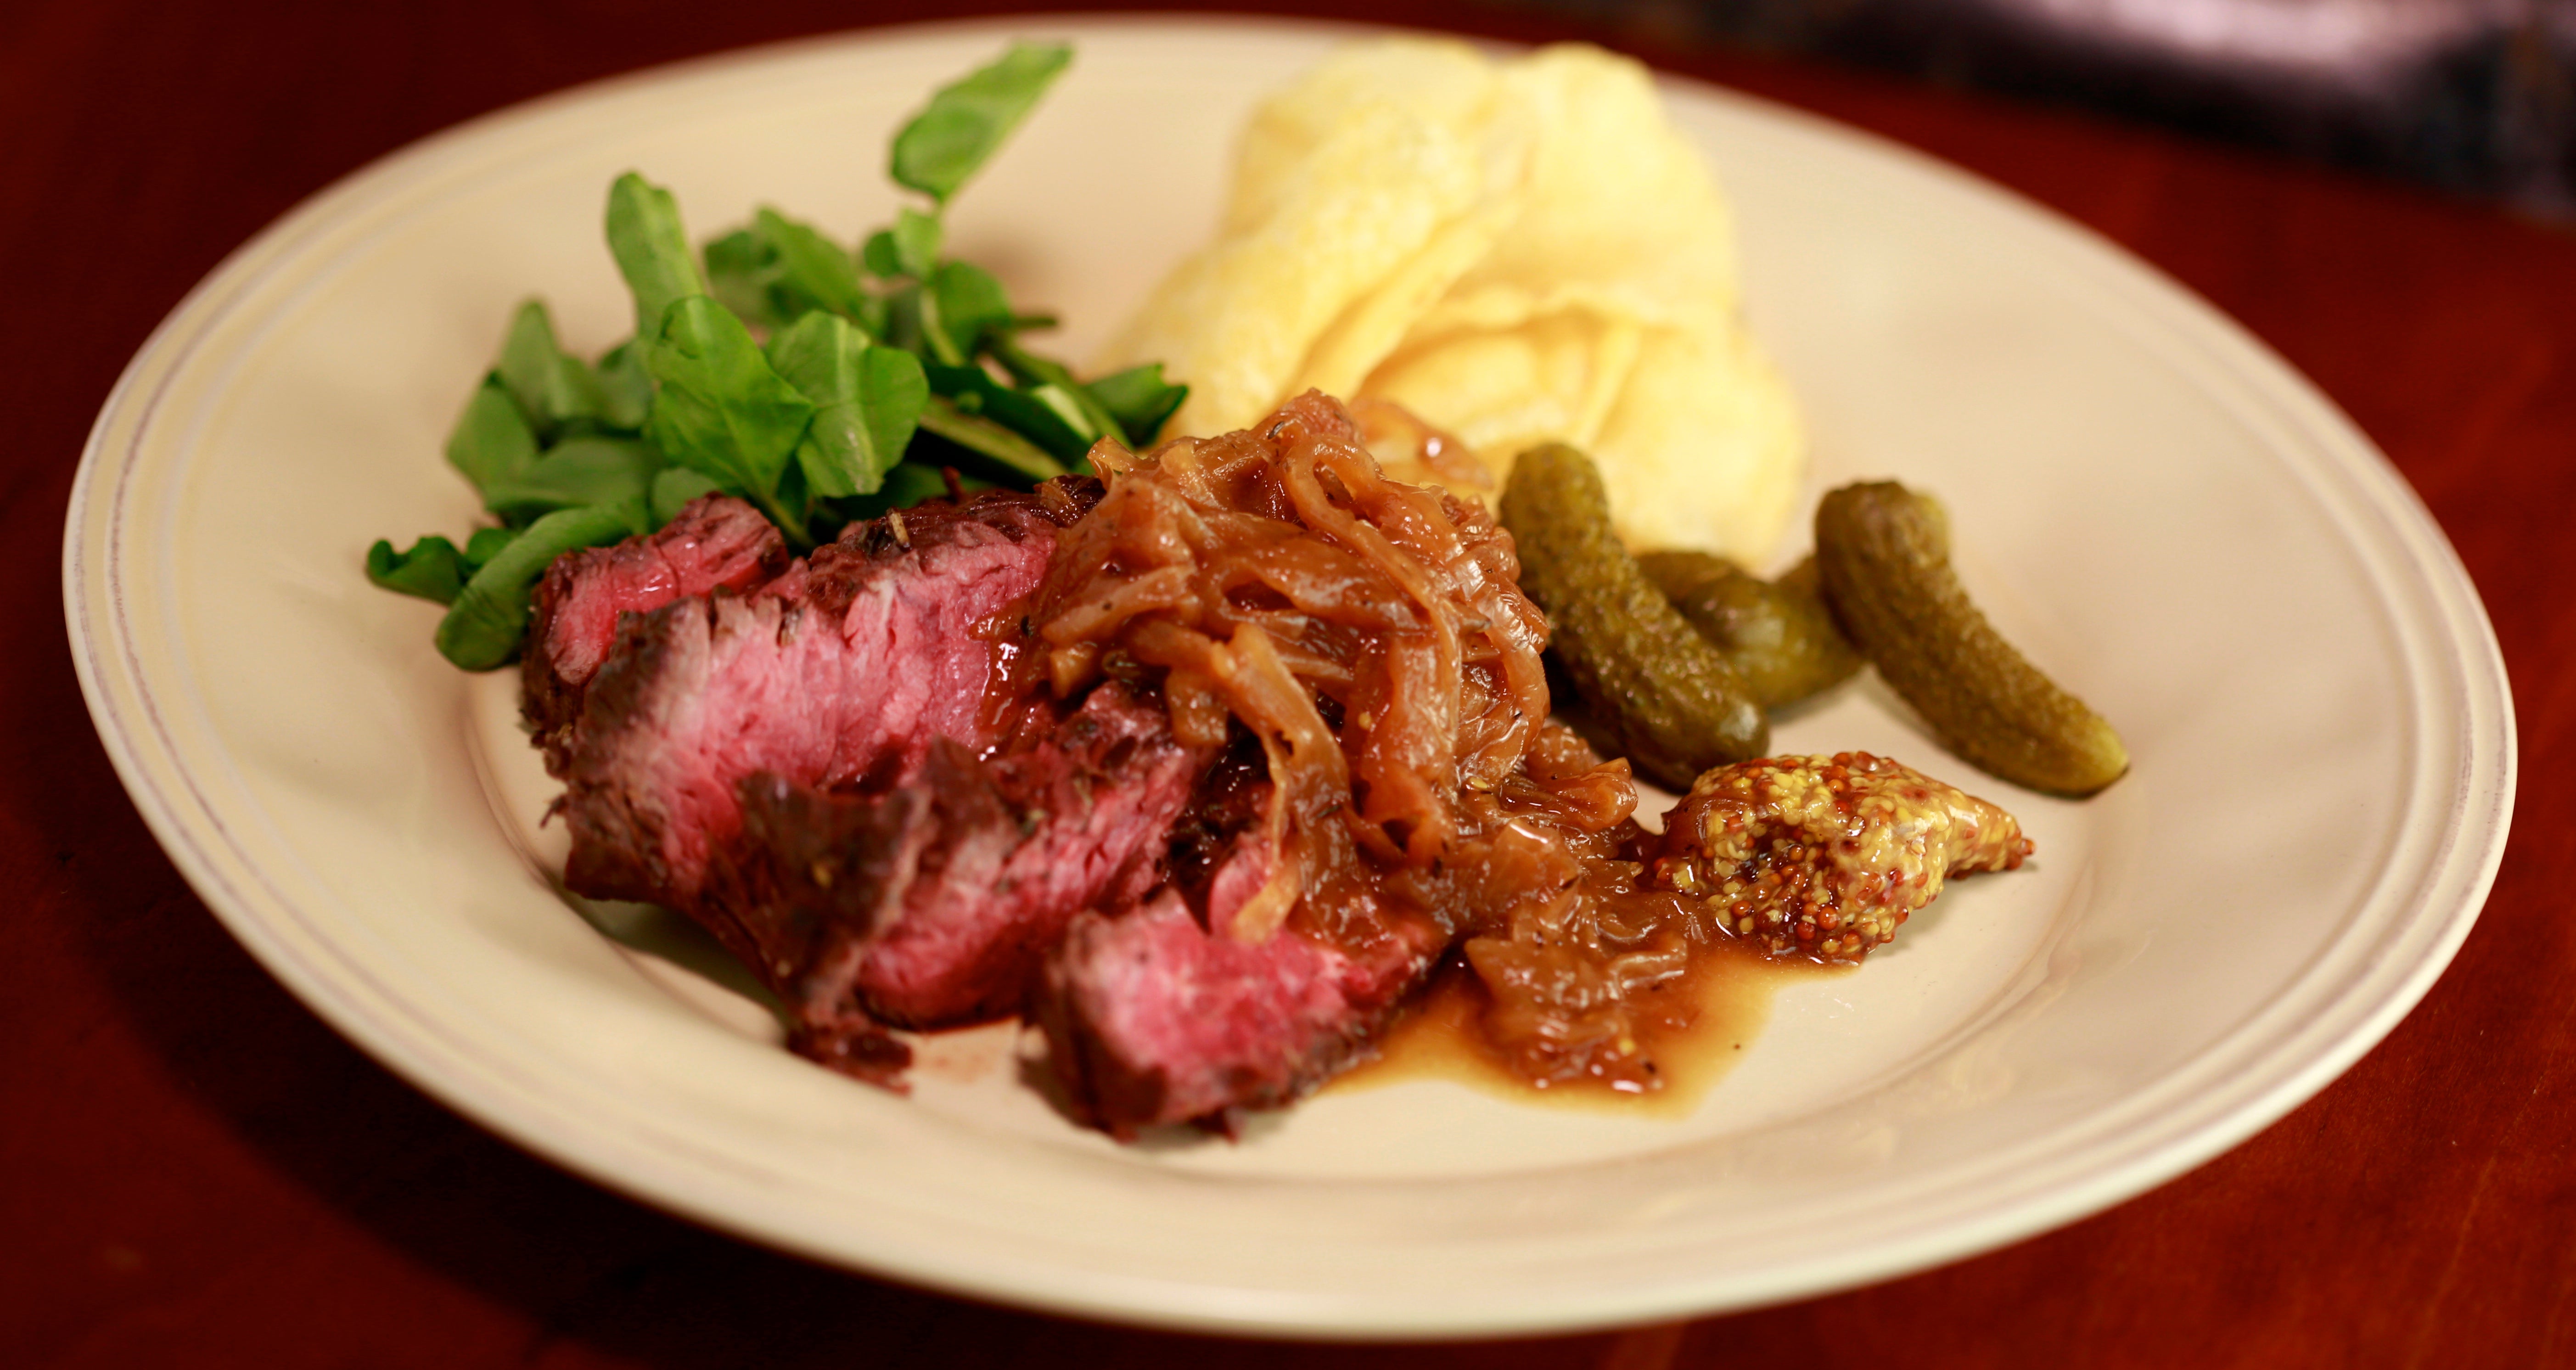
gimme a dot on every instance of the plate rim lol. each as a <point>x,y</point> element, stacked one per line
<point>2488,737</point>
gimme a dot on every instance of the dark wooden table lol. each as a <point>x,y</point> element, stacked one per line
<point>194,1170</point>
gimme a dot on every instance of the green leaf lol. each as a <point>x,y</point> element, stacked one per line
<point>552,388</point>
<point>1025,413</point>
<point>908,484</point>
<point>779,270</point>
<point>1028,368</point>
<point>1140,400</point>
<point>722,411</point>
<point>965,122</point>
<point>1050,383</point>
<point>652,250</point>
<point>903,322</point>
<point>1082,419</point>
<point>740,267</point>
<point>812,268</point>
<point>485,545</point>
<point>879,257</point>
<point>575,472</point>
<point>432,569</point>
<point>676,486</point>
<point>911,482</point>
<point>1134,403</point>
<point>970,302</point>
<point>867,399</point>
<point>626,387</point>
<point>872,316</point>
<point>491,442</point>
<point>917,238</point>
<point>483,628</point>
<point>982,436</point>
<point>895,393</point>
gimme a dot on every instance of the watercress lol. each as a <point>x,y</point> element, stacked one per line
<point>819,382</point>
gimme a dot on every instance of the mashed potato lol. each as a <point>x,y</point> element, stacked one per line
<point>1518,252</point>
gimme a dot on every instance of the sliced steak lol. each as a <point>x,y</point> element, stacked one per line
<point>841,672</point>
<point>716,543</point>
<point>1077,821</point>
<point>1219,856</point>
<point>1152,1019</point>
<point>935,902</point>
<point>803,886</point>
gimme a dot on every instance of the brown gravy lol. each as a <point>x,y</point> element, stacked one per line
<point>1715,1011</point>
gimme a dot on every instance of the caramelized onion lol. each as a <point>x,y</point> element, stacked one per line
<point>1364,642</point>
<point>1371,637</point>
<point>1369,633</point>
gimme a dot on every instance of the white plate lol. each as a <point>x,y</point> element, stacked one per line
<point>2152,503</point>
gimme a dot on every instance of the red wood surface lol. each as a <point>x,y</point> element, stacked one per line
<point>194,1170</point>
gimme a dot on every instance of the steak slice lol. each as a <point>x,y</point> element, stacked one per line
<point>1077,821</point>
<point>841,672</point>
<point>717,542</point>
<point>1152,1019</point>
<point>935,902</point>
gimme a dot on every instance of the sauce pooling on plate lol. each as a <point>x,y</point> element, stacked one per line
<point>1694,1030</point>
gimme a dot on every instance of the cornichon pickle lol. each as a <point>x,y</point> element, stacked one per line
<point>1670,701</point>
<point>1778,635</point>
<point>1884,553</point>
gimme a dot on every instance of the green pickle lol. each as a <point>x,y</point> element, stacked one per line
<point>1884,555</point>
<point>1778,634</point>
<point>1669,699</point>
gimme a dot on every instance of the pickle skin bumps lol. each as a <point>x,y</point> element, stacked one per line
<point>1884,555</point>
<point>1673,704</point>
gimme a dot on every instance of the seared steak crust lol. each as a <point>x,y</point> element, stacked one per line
<point>1076,821</point>
<point>716,543</point>
<point>842,776</point>
<point>842,671</point>
<point>1152,1019</point>
<point>934,903</point>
